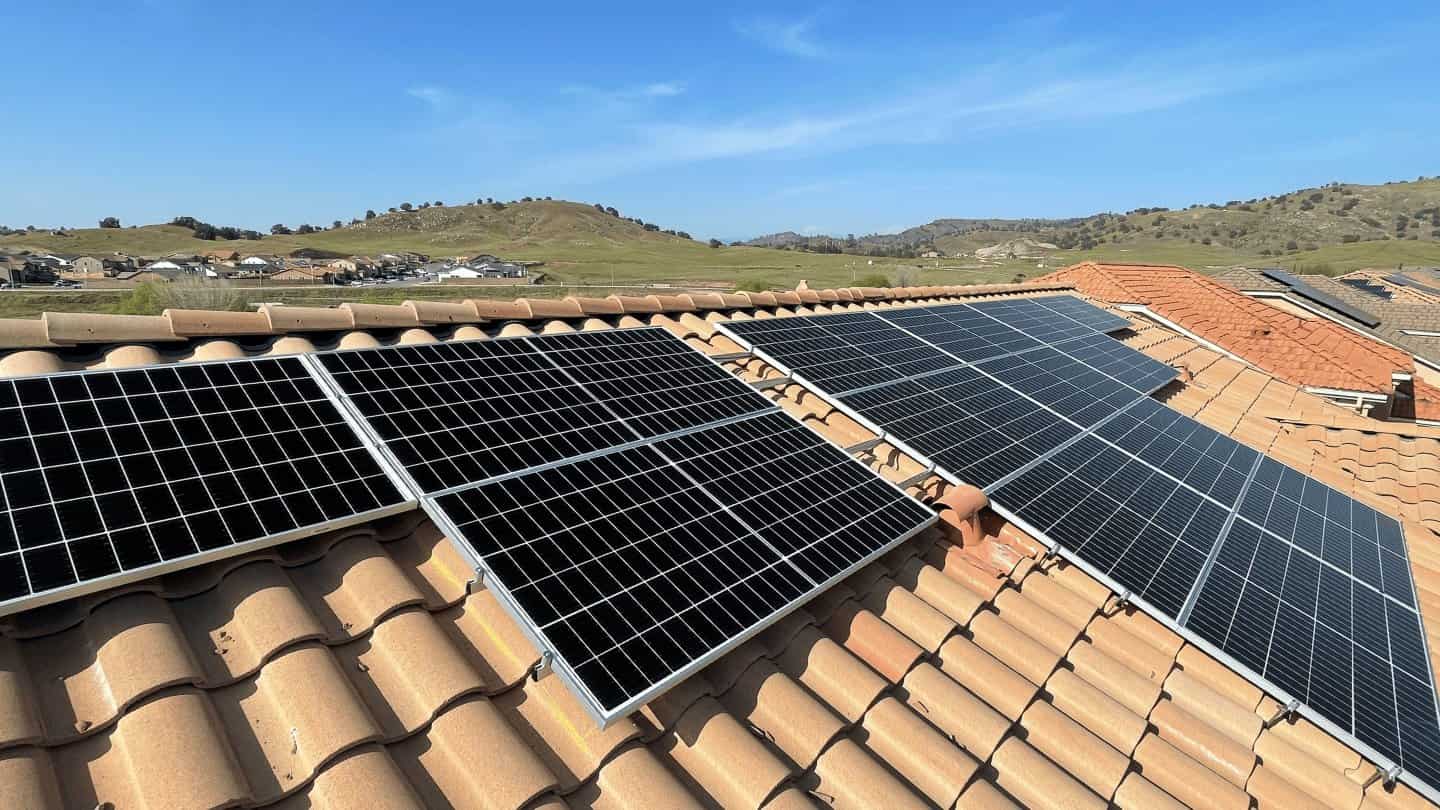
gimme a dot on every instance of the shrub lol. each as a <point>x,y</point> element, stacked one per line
<point>1349,238</point>
<point>1292,245</point>
<point>715,243</point>
<point>110,222</point>
<point>754,284</point>
<point>872,280</point>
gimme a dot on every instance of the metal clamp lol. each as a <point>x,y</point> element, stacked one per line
<point>1289,710</point>
<point>865,446</point>
<point>544,666</point>
<point>772,382</point>
<point>917,477</point>
<point>1388,775</point>
<point>728,357</point>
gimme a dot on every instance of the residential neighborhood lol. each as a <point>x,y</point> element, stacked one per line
<point>27,268</point>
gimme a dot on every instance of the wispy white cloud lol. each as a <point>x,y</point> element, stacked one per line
<point>663,89</point>
<point>440,99</point>
<point>793,37</point>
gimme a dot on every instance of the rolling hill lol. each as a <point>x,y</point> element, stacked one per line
<point>1342,224</point>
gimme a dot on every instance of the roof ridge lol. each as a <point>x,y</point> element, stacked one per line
<point>58,329</point>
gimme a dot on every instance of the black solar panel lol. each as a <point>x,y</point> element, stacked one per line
<point>1304,290</point>
<point>456,413</point>
<point>1308,588</point>
<point>965,421</point>
<point>1110,356</point>
<point>840,352</point>
<point>1067,386</point>
<point>1326,635</point>
<point>1086,313</point>
<point>1213,464</point>
<point>1121,516</point>
<point>640,565</point>
<point>113,473</point>
<point>1034,319</point>
<point>960,330</point>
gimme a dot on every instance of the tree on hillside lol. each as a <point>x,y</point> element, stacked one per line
<point>715,243</point>
<point>110,222</point>
<point>336,224</point>
<point>306,228</point>
<point>393,209</point>
<point>280,230</point>
<point>424,205</point>
<point>438,204</point>
<point>498,206</point>
<point>405,206</point>
<point>369,214</point>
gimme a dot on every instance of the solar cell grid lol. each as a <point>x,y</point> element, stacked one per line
<point>454,413</point>
<point>1066,386</point>
<point>1211,463</point>
<point>961,331</point>
<point>109,473</point>
<point>1035,320</point>
<point>1307,625</point>
<point>1085,313</point>
<point>801,494</point>
<point>637,564</point>
<point>630,570</point>
<point>1111,357</point>
<point>840,352</point>
<point>978,429</point>
<point>655,383</point>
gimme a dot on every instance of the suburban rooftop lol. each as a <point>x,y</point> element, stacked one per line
<point>965,668</point>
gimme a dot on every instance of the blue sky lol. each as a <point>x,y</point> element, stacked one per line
<point>724,121</point>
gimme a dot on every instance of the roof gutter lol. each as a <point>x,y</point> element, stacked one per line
<point>1144,311</point>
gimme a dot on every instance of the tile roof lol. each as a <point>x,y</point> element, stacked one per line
<point>1406,308</point>
<point>357,668</point>
<point>1308,351</point>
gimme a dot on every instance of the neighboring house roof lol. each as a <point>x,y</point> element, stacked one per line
<point>356,669</point>
<point>1400,309</point>
<point>1308,351</point>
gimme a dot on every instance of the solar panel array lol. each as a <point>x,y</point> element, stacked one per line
<point>639,508</point>
<point>120,474</point>
<point>1299,286</point>
<point>1306,588</point>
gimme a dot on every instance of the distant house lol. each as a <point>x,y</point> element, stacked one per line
<point>495,269</point>
<point>222,255</point>
<point>309,275</point>
<point>931,254</point>
<point>101,266</point>
<point>171,265</point>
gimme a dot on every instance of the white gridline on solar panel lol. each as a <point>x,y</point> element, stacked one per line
<point>1201,453</point>
<point>630,387</point>
<point>542,414</point>
<point>1080,311</point>
<point>1326,563</point>
<point>797,475</point>
<point>1057,381</point>
<point>1148,518</point>
<point>883,359</point>
<point>977,417</point>
<point>676,566</point>
<point>1349,638</point>
<point>1120,357</point>
<point>106,532</point>
<point>1033,319</point>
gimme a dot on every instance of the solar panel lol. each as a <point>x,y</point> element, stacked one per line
<point>113,475</point>
<point>960,330</point>
<point>1084,312</point>
<point>1406,281</point>
<point>1034,319</point>
<point>1316,624</point>
<point>1304,290</point>
<point>638,508</point>
<point>1067,386</point>
<point>638,566</point>
<point>1129,521</point>
<point>840,352</point>
<point>1209,462</point>
<point>1111,357</point>
<point>965,421</point>
<point>456,413</point>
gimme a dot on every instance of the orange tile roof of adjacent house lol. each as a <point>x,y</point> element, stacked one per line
<point>360,668</point>
<point>1312,352</point>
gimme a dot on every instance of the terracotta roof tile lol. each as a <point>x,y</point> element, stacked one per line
<point>356,668</point>
<point>935,766</point>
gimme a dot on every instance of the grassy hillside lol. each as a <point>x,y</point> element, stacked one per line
<point>1342,225</point>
